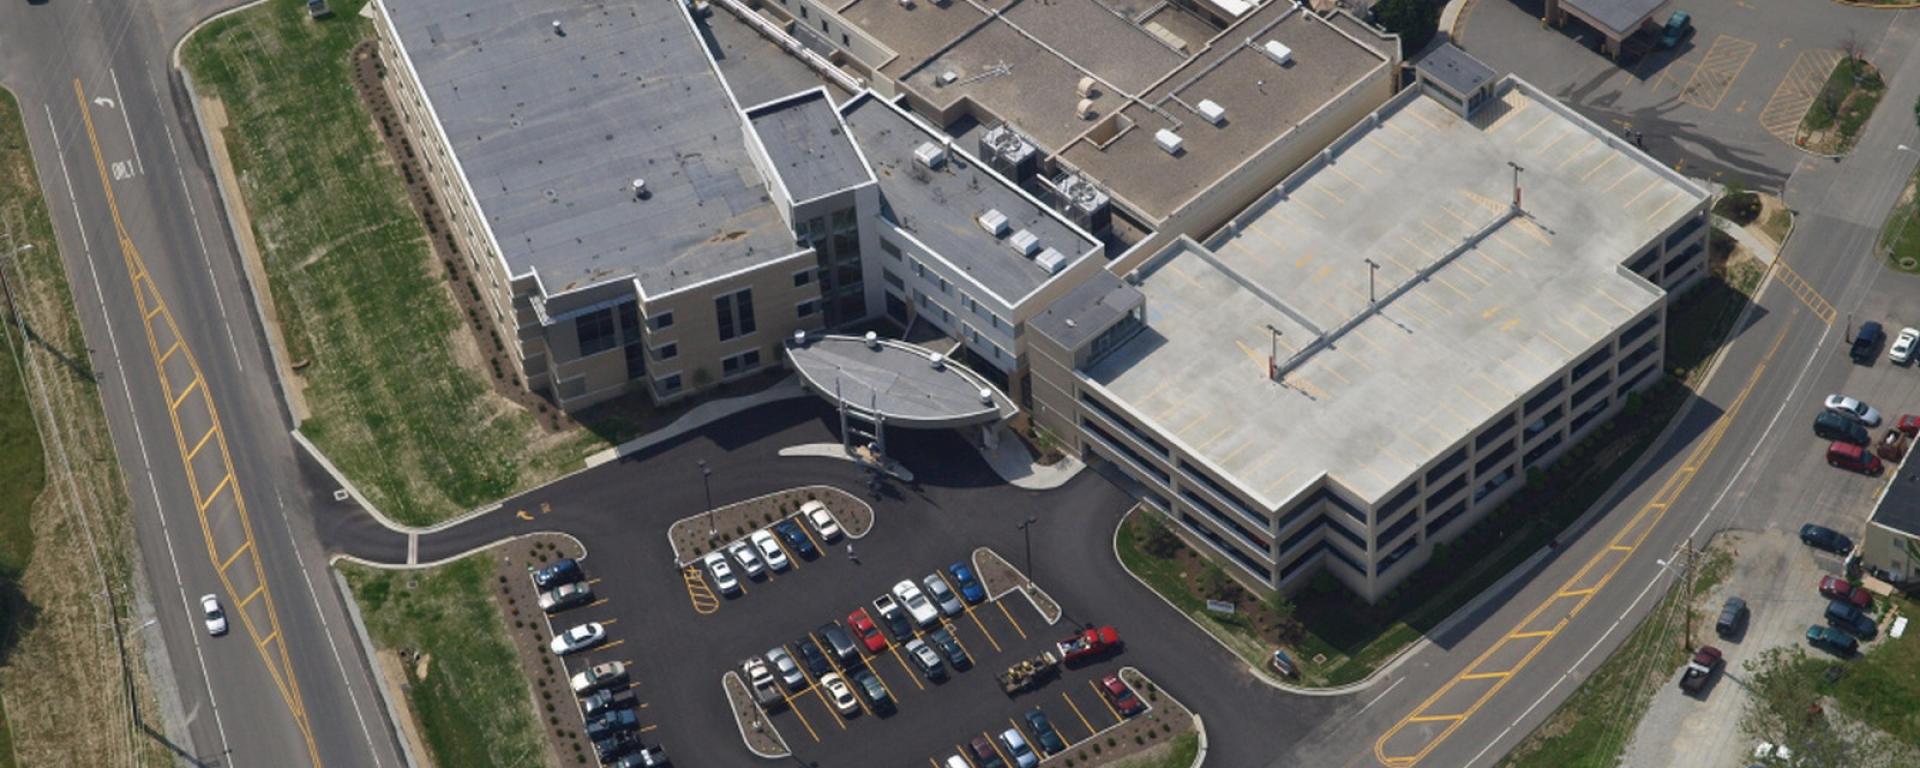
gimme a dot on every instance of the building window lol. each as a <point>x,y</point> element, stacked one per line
<point>893,280</point>
<point>629,323</point>
<point>661,321</point>
<point>734,313</point>
<point>1494,431</point>
<point>807,308</point>
<point>740,363</point>
<point>802,277</point>
<point>595,331</point>
<point>1545,396</point>
<point>890,250</point>
<point>667,385</point>
<point>946,287</point>
<point>1136,432</point>
<point>636,361</point>
<point>1593,361</point>
<point>667,351</point>
<point>1638,329</point>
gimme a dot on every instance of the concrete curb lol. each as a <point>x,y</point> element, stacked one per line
<point>681,562</point>
<point>734,677</point>
<point>354,491</point>
<point>373,667</point>
<point>1199,726</point>
<point>1026,590</point>
<point>1450,17</point>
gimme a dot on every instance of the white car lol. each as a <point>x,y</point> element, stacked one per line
<point>956,761</point>
<point>838,691</point>
<point>770,550</point>
<point>216,618</point>
<point>822,520</point>
<point>1853,409</point>
<point>599,676</point>
<point>942,594</point>
<point>917,604</point>
<point>749,562</point>
<point>579,638</point>
<point>757,673</point>
<point>723,578</point>
<point>1902,349</point>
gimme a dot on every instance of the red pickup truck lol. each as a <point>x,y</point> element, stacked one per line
<point>1087,644</point>
<point>1705,662</point>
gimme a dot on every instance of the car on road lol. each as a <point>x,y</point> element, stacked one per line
<point>215,617</point>
<point>1822,537</point>
<point>579,638</point>
<point>1866,343</point>
<point>1903,344</point>
<point>750,563</point>
<point>612,721</point>
<point>1706,661</point>
<point>788,671</point>
<point>1835,641</point>
<point>1017,748</point>
<point>835,638</point>
<point>1836,588</point>
<point>1120,696</point>
<point>608,699</point>
<point>894,617</point>
<point>723,578</point>
<point>969,586</point>
<point>839,693</point>
<point>616,744</point>
<point>942,595</point>
<point>822,520</point>
<point>565,596</point>
<point>872,690</point>
<point>770,550</point>
<point>950,648</point>
<point>1853,409</point>
<point>863,628</point>
<point>1850,618</point>
<point>1043,733</point>
<point>1679,26</point>
<point>926,659</point>
<point>796,539</point>
<point>811,657</point>
<point>563,571</point>
<point>983,753</point>
<point>599,676</point>
<point>1733,618</point>
<point>918,606</point>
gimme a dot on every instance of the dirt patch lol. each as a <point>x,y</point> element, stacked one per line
<point>696,535</point>
<point>999,577</point>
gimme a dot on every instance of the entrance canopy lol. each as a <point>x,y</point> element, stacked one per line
<point>903,385</point>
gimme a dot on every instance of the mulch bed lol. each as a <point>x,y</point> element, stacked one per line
<point>999,577</point>
<point>754,724</point>
<point>1164,720</point>
<point>553,698</point>
<point>690,538</point>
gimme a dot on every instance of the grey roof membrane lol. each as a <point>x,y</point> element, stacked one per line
<point>1618,16</point>
<point>553,125</point>
<point>897,379</point>
<point>1088,309</point>
<point>940,208</point>
<point>1900,506</point>
<point>806,146</point>
<point>1456,68</point>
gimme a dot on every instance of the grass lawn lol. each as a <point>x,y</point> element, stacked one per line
<point>1882,687</point>
<point>464,682</point>
<point>1900,236</point>
<point>1354,638</point>
<point>359,299</point>
<point>1834,120</point>
<point>1178,753</point>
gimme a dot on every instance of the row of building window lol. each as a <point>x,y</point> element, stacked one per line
<point>1115,418</point>
<point>1114,444</point>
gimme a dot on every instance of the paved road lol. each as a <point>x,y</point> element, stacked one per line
<point>220,503</point>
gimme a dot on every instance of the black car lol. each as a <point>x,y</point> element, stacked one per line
<point>606,700</point>
<point>834,637</point>
<point>615,745</point>
<point>810,655</point>
<point>563,571</point>
<point>1733,617</point>
<point>894,618</point>
<point>612,722</point>
<point>869,687</point>
<point>950,648</point>
<point>1846,616</point>
<point>796,539</point>
<point>1043,732</point>
<point>1822,537</point>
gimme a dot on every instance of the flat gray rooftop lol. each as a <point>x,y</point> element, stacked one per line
<point>551,130</point>
<point>940,208</point>
<point>1089,309</point>
<point>1899,507</point>
<point>1620,17</point>
<point>898,380</point>
<point>1455,68</point>
<point>1441,359</point>
<point>757,71</point>
<point>806,145</point>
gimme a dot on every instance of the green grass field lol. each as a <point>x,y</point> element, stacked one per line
<point>352,276</point>
<point>473,702</point>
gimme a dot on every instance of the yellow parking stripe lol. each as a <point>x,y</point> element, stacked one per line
<point>903,666</point>
<point>1077,713</point>
<point>1010,619</point>
<point>996,748</point>
<point>1102,696</point>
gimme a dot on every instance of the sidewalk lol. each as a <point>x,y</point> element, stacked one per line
<point>1014,463</point>
<point>700,416</point>
<point>1760,248</point>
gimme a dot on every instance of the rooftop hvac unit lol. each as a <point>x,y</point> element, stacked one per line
<point>947,78</point>
<point>1213,112</point>
<point>929,155</point>
<point>1280,54</point>
<point>1006,151</point>
<point>1168,141</point>
<point>1085,88</point>
<point>1083,203</point>
<point>1051,261</point>
<point>938,361</point>
<point>1025,241</point>
<point>994,222</point>
<point>1084,110</point>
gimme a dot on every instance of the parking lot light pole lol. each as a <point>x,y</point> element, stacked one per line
<point>706,482</point>
<point>1026,534</point>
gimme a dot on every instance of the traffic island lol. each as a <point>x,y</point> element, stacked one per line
<point>1166,735</point>
<point>1841,108</point>
<point>999,577</point>
<point>756,729</point>
<point>696,535</point>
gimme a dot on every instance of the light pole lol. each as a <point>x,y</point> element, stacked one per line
<point>1273,354</point>
<point>706,482</point>
<point>1026,533</point>
<point>1372,267</point>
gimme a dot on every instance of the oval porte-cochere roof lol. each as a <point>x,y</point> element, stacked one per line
<point>900,382</point>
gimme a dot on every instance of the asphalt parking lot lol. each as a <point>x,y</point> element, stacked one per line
<point>1723,104</point>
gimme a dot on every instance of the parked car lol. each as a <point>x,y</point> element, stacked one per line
<point>870,688</point>
<point>1836,588</point>
<point>926,659</point>
<point>579,638</point>
<point>810,655</point>
<point>599,676</point>
<point>317,9</point>
<point>1902,350</point>
<point>834,637</point>
<point>1867,343</point>
<point>607,699</point>
<point>1822,537</point>
<point>969,586</point>
<point>950,648</point>
<point>723,578</point>
<point>1120,695</point>
<point>1835,641</point>
<point>215,618</point>
<point>1854,457</point>
<point>955,761</point>
<point>1850,618</point>
<point>770,550</point>
<point>1909,425</point>
<point>1679,27</point>
<point>796,539</point>
<point>894,617</point>
<point>1833,426</point>
<point>565,596</point>
<point>839,693</point>
<point>759,675</point>
<point>816,513</point>
<point>942,594</point>
<point>984,755</point>
<point>1017,748</point>
<point>864,629</point>
<point>1733,618</point>
<point>612,721</point>
<point>788,671</point>
<point>649,756</point>
<point>750,563</point>
<point>916,603</point>
<point>1699,671</point>
<point>1043,733</point>
<point>1892,446</point>
<point>616,744</point>
<point>563,571</point>
<point>1853,409</point>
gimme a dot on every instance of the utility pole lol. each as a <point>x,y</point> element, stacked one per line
<point>706,482</point>
<point>1686,608</point>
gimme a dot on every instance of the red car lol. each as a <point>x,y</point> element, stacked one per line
<point>1836,588</point>
<point>864,629</point>
<point>1909,425</point>
<point>1120,696</point>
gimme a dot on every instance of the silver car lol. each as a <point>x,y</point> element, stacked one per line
<point>743,554</point>
<point>788,671</point>
<point>942,594</point>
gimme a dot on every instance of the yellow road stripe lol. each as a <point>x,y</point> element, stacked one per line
<point>1011,620</point>
<point>1076,713</point>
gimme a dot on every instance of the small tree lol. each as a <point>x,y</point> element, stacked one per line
<point>1414,21</point>
<point>1286,625</point>
<point>1156,538</point>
